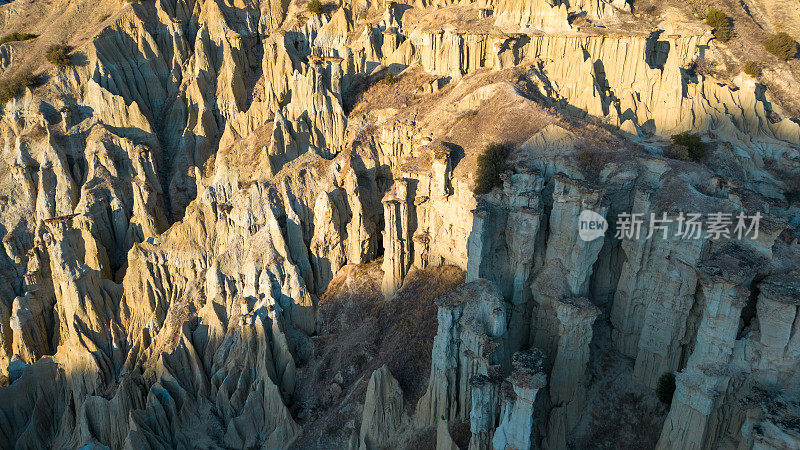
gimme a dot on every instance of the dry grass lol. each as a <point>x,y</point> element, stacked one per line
<point>460,433</point>
<point>423,440</point>
<point>633,423</point>
<point>410,324</point>
<point>591,160</point>
<point>362,331</point>
<point>13,86</point>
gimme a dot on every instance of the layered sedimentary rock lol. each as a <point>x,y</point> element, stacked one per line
<point>519,397</point>
<point>469,341</point>
<point>568,259</point>
<point>701,387</point>
<point>568,396</point>
<point>383,414</point>
<point>174,203</point>
<point>504,234</point>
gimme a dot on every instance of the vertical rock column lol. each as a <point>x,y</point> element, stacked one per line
<point>470,341</point>
<point>502,242</point>
<point>702,385</point>
<point>383,410</point>
<point>568,394</point>
<point>433,207</point>
<point>569,259</point>
<point>524,218</point>
<point>478,242</point>
<point>519,394</point>
<point>779,329</point>
<point>485,414</point>
<point>656,292</point>
<point>396,237</point>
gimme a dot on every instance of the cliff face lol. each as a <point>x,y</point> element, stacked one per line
<point>177,202</point>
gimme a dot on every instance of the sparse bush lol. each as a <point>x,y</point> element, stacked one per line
<point>16,37</point>
<point>592,161</point>
<point>459,432</point>
<point>10,88</point>
<point>389,79</point>
<point>704,67</point>
<point>793,197</point>
<point>314,6</point>
<point>677,151</point>
<point>721,23</point>
<point>666,388</point>
<point>793,189</point>
<point>752,69</point>
<point>491,163</point>
<point>58,55</point>
<point>781,45</point>
<point>694,150</point>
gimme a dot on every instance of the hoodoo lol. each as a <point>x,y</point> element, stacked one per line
<point>502,224</point>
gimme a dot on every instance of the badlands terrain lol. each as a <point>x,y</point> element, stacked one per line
<point>254,224</point>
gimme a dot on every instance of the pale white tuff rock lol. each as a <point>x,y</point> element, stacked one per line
<point>694,419</point>
<point>471,338</point>
<point>651,308</point>
<point>568,261</point>
<point>397,243</point>
<point>518,400</point>
<point>384,414</point>
<point>568,395</point>
<point>501,245</point>
<point>485,413</point>
<point>175,205</point>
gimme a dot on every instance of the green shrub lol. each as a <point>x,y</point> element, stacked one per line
<point>314,6</point>
<point>694,150</point>
<point>666,388</point>
<point>58,55</point>
<point>16,37</point>
<point>491,163</point>
<point>677,151</point>
<point>721,23</point>
<point>752,69</point>
<point>781,45</point>
<point>10,88</point>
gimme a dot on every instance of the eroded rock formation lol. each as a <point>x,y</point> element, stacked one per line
<point>178,204</point>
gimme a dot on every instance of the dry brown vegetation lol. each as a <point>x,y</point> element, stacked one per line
<point>13,86</point>
<point>591,160</point>
<point>362,331</point>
